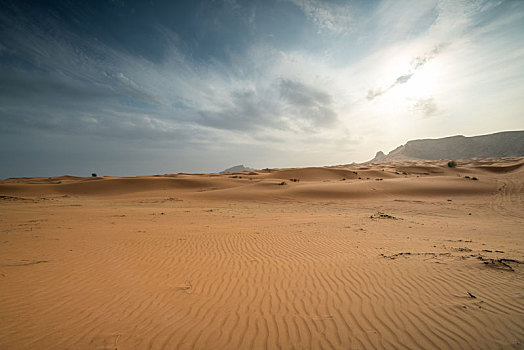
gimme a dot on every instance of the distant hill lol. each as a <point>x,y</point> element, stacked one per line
<point>236,169</point>
<point>501,144</point>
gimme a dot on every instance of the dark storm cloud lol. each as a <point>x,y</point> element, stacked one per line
<point>301,95</point>
<point>300,107</point>
<point>247,112</point>
<point>310,103</point>
<point>416,64</point>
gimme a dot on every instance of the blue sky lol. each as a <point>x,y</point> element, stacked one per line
<point>151,87</point>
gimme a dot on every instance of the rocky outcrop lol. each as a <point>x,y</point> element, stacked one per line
<point>378,157</point>
<point>502,144</point>
<point>236,169</point>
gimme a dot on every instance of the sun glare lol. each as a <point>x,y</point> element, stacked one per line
<point>422,83</point>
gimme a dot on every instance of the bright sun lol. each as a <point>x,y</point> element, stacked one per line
<point>422,83</point>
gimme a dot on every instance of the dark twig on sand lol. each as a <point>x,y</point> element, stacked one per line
<point>380,215</point>
<point>34,262</point>
<point>503,261</point>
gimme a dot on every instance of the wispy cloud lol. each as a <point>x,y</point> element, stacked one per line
<point>327,16</point>
<point>416,64</point>
<point>426,106</point>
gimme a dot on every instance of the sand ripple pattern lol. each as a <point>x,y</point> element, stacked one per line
<point>271,287</point>
<point>254,283</point>
<point>509,199</point>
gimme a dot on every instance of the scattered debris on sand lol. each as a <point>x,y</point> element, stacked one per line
<point>500,263</point>
<point>380,215</point>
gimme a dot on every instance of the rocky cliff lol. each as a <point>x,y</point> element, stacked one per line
<point>501,144</point>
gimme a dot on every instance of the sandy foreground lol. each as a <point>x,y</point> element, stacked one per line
<point>424,258</point>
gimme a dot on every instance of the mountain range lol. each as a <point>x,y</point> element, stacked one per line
<point>501,144</point>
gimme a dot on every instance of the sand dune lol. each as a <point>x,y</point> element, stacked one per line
<point>412,255</point>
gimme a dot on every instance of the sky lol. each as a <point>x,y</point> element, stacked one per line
<point>153,87</point>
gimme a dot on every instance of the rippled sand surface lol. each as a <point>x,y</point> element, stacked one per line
<point>382,256</point>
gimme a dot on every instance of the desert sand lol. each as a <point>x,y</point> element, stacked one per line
<point>412,255</point>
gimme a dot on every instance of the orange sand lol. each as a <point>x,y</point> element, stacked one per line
<point>238,261</point>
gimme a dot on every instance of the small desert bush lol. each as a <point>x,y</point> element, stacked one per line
<point>294,180</point>
<point>93,175</point>
<point>452,164</point>
<point>282,183</point>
